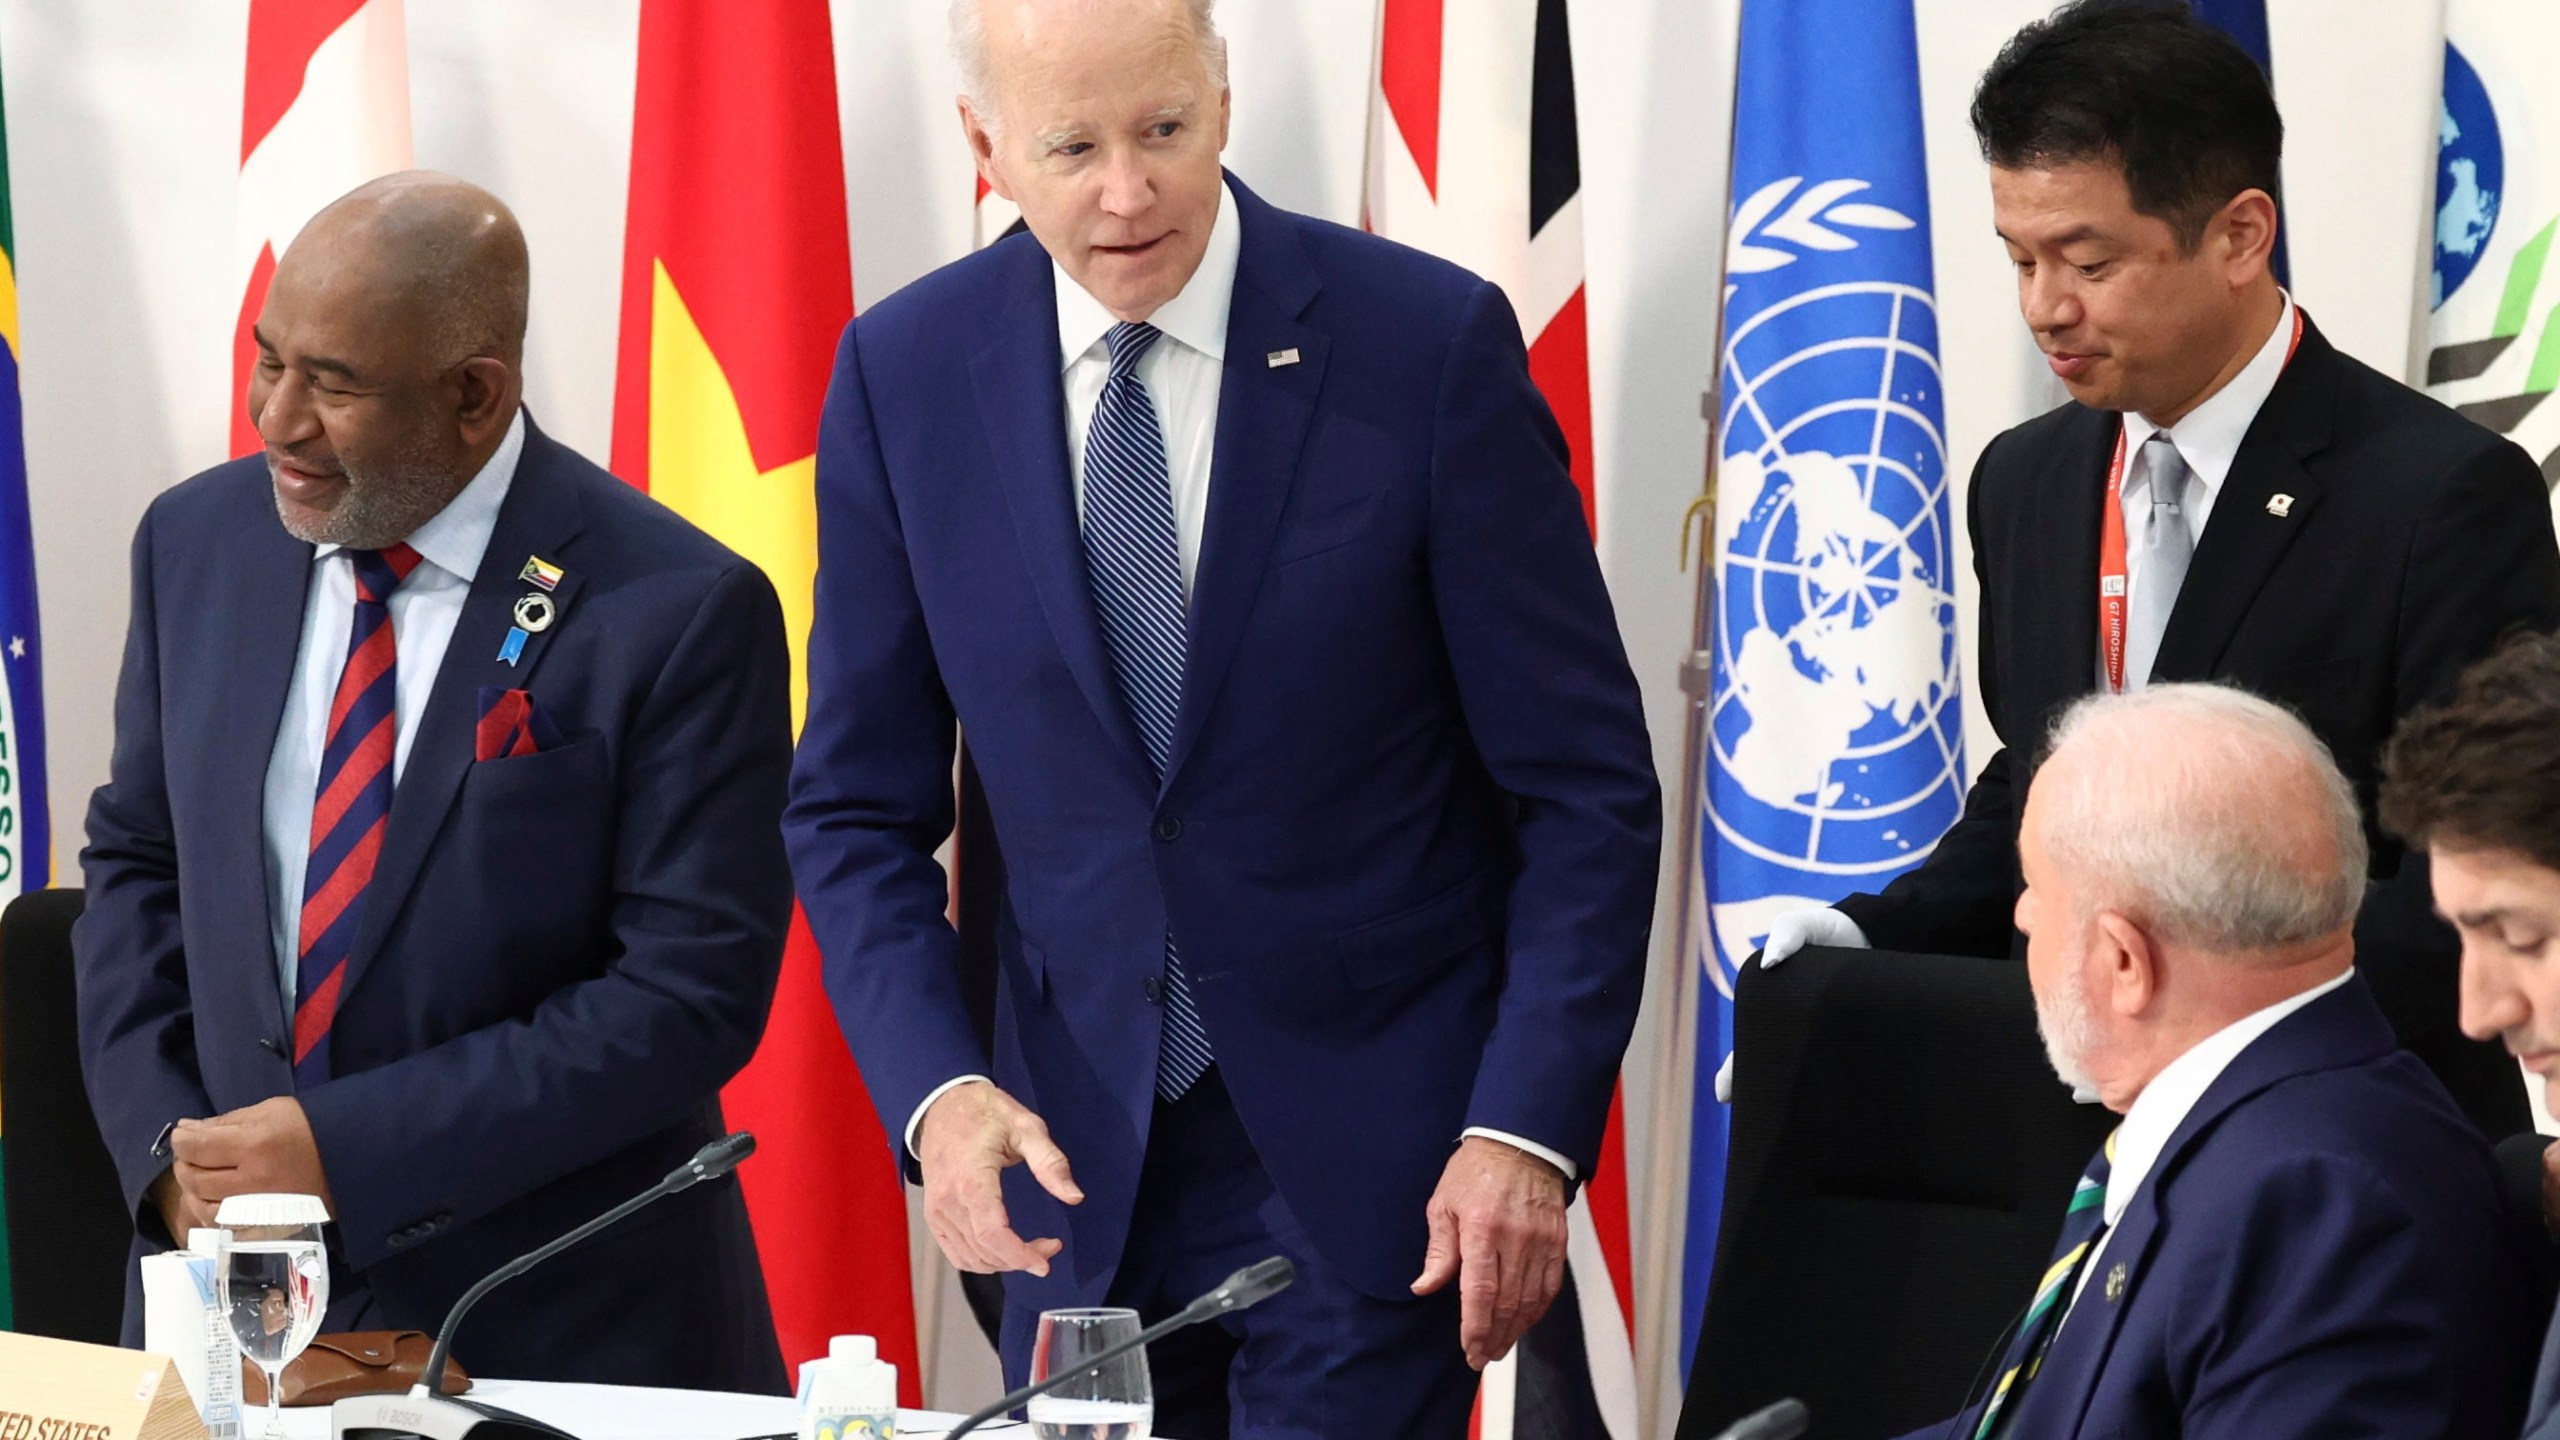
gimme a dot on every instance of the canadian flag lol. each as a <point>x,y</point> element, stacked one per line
<point>1474,156</point>
<point>325,108</point>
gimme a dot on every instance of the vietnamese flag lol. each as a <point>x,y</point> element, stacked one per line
<point>737,279</point>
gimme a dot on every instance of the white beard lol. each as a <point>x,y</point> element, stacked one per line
<point>2065,1024</point>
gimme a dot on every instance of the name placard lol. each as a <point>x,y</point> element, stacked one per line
<point>61,1390</point>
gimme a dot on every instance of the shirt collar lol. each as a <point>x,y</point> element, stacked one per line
<point>454,538</point>
<point>2208,439</point>
<point>2165,1103</point>
<point>1197,317</point>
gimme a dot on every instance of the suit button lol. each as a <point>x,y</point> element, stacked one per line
<point>1155,990</point>
<point>1169,828</point>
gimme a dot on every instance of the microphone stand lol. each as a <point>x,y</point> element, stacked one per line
<point>426,1412</point>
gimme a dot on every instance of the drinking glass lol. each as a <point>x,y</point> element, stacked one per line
<point>1115,1402</point>
<point>274,1286</point>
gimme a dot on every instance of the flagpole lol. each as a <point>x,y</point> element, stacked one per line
<point>1675,1061</point>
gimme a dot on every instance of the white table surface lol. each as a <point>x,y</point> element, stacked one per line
<point>615,1412</point>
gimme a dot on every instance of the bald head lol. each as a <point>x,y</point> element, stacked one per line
<point>2192,856</point>
<point>389,350</point>
<point>428,248</point>
<point>2215,818</point>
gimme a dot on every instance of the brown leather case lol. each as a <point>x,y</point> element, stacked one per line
<point>360,1362</point>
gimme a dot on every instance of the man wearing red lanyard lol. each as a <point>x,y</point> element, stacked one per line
<point>2228,497</point>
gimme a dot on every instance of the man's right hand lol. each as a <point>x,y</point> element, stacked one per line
<point>1796,929</point>
<point>179,1210</point>
<point>1788,934</point>
<point>969,1138</point>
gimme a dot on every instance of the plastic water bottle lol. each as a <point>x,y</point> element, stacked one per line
<point>850,1395</point>
<point>183,1319</point>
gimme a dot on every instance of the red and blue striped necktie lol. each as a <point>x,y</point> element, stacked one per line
<point>353,803</point>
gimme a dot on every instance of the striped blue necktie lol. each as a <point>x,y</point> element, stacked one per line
<point>352,805</point>
<point>2082,1223</point>
<point>1134,570</point>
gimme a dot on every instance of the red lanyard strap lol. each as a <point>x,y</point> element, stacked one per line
<point>2113,601</point>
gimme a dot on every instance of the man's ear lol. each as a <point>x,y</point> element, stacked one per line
<point>2128,963</point>
<point>2246,230</point>
<point>488,388</point>
<point>981,140</point>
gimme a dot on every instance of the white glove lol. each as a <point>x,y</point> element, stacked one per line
<point>1790,933</point>
<point>1798,928</point>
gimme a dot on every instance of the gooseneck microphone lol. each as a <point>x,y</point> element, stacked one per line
<point>1247,1287</point>
<point>708,1163</point>
<point>426,1411</point>
<point>1783,1421</point>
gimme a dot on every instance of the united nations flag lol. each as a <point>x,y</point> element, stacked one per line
<point>1833,752</point>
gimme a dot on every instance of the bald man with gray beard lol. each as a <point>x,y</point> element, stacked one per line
<point>2294,1233</point>
<point>439,872</point>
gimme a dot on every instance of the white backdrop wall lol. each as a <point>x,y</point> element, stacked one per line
<point>124,120</point>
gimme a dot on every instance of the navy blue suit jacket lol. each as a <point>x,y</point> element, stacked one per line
<point>563,955</point>
<point>1407,836</point>
<point>2322,1250</point>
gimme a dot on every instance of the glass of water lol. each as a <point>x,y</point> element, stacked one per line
<point>1115,1402</point>
<point>274,1284</point>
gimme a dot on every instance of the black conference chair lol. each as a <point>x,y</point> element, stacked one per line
<point>1900,1157</point>
<point>68,1227</point>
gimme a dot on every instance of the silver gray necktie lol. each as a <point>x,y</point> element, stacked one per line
<point>2160,547</point>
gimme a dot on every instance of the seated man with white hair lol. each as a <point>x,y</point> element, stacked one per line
<point>2294,1232</point>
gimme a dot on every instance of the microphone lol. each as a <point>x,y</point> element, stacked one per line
<point>1247,1287</point>
<point>427,1412</point>
<point>1783,1421</point>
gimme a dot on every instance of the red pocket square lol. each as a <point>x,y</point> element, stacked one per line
<point>511,724</point>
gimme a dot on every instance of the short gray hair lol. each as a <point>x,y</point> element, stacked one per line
<point>969,48</point>
<point>2209,816</point>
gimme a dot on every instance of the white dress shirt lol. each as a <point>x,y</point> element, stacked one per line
<point>1182,373</point>
<point>2208,439</point>
<point>2164,1104</point>
<point>423,613</point>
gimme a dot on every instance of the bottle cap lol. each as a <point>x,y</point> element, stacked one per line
<point>242,1211</point>
<point>205,1240</point>
<point>860,1349</point>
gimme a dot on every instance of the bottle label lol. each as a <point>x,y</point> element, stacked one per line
<point>852,1425</point>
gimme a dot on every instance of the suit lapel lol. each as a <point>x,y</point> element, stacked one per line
<point>2063,656</point>
<point>541,516</point>
<point>1022,411</point>
<point>1263,415</point>
<point>2340,1028</point>
<point>266,601</point>
<point>2249,532</point>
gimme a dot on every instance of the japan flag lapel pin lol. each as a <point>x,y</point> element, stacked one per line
<point>2280,505</point>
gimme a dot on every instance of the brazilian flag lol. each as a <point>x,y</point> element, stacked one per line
<point>26,854</point>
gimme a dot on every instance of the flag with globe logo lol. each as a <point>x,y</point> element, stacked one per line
<point>2494,329</point>
<point>1833,747</point>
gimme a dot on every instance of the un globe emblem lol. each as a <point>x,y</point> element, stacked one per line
<point>1836,731</point>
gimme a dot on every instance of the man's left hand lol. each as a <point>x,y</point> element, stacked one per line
<point>266,1148</point>
<point>1498,1228</point>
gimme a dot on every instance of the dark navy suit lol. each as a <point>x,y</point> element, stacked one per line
<point>2322,1249</point>
<point>1406,838</point>
<point>562,956</point>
